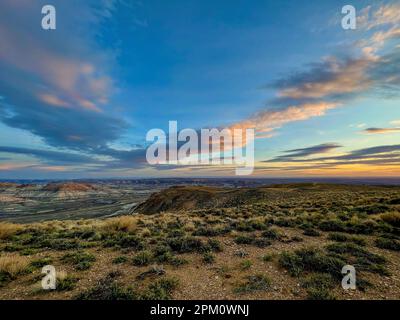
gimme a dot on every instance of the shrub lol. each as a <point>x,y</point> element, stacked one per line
<point>318,280</point>
<point>120,224</point>
<point>364,260</point>
<point>208,258</point>
<point>363,227</point>
<point>143,258</point>
<point>392,218</point>
<point>312,260</point>
<point>39,263</point>
<point>80,260</point>
<point>214,245</point>
<point>8,229</point>
<point>261,242</point>
<point>246,264</point>
<point>319,294</point>
<point>244,240</point>
<point>271,234</point>
<point>341,237</point>
<point>65,282</point>
<point>107,289</point>
<point>123,240</point>
<point>120,259</point>
<point>390,244</point>
<point>332,225</point>
<point>210,232</point>
<point>311,233</point>
<point>162,289</point>
<point>256,282</point>
<point>12,265</point>
<point>185,244</point>
<point>267,257</point>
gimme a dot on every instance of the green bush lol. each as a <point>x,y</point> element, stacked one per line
<point>66,284</point>
<point>119,260</point>
<point>81,260</point>
<point>341,237</point>
<point>142,258</point>
<point>312,260</point>
<point>271,234</point>
<point>161,289</point>
<point>185,244</point>
<point>390,244</point>
<point>311,232</point>
<point>208,258</point>
<point>257,282</point>
<point>108,289</point>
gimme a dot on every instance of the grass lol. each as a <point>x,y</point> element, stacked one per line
<point>108,289</point>
<point>358,256</point>
<point>185,244</point>
<point>120,224</point>
<point>245,265</point>
<point>340,220</point>
<point>40,263</point>
<point>271,234</point>
<point>208,258</point>
<point>12,265</point>
<point>119,260</point>
<point>319,280</point>
<point>122,240</point>
<point>80,260</point>
<point>142,258</point>
<point>161,289</point>
<point>319,294</point>
<point>392,218</point>
<point>342,237</point>
<point>8,229</point>
<point>257,282</point>
<point>65,282</point>
<point>267,257</point>
<point>311,232</point>
<point>311,260</point>
<point>390,244</point>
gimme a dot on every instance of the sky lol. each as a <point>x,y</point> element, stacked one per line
<point>77,101</point>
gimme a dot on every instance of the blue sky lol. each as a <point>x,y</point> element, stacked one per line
<point>77,101</point>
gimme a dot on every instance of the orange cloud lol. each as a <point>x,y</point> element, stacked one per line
<point>346,78</point>
<point>267,121</point>
<point>53,100</point>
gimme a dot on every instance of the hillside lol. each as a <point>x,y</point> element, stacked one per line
<point>180,198</point>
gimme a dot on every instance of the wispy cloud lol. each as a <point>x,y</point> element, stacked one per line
<point>381,130</point>
<point>335,80</point>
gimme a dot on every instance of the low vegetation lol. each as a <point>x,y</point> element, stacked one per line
<point>251,242</point>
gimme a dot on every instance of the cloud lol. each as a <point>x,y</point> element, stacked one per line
<point>57,84</point>
<point>335,80</point>
<point>269,120</point>
<point>50,156</point>
<point>333,77</point>
<point>381,130</point>
<point>378,155</point>
<point>321,148</point>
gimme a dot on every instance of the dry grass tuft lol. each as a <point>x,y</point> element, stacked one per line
<point>8,229</point>
<point>392,218</point>
<point>123,223</point>
<point>13,264</point>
